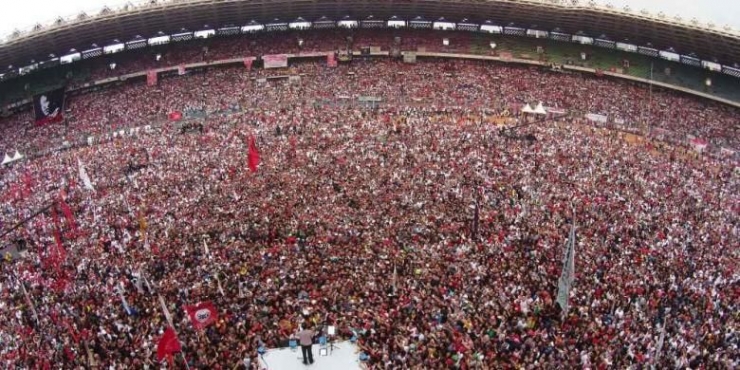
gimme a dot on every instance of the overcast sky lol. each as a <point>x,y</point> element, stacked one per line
<point>24,14</point>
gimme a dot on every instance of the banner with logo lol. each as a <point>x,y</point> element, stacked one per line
<point>151,78</point>
<point>49,106</point>
<point>202,314</point>
<point>275,61</point>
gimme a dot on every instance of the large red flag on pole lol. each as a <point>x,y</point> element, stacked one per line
<point>168,344</point>
<point>202,314</point>
<point>254,155</point>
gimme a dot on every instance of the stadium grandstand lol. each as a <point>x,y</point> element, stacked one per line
<point>416,184</point>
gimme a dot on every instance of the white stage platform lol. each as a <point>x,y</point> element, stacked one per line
<point>346,356</point>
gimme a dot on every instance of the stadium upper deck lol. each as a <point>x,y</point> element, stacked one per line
<point>572,17</point>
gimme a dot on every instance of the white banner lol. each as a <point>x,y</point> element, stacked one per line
<point>275,61</point>
<point>596,117</point>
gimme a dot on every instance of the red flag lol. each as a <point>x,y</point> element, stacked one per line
<point>202,314</point>
<point>168,344</point>
<point>68,215</point>
<point>59,254</point>
<point>151,78</point>
<point>175,116</point>
<point>253,156</point>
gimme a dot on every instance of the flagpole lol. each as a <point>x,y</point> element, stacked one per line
<point>28,299</point>
<point>169,322</point>
<point>182,354</point>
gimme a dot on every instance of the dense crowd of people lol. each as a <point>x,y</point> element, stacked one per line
<point>476,85</point>
<point>423,227</point>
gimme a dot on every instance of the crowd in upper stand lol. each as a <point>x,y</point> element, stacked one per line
<point>366,219</point>
<point>465,84</point>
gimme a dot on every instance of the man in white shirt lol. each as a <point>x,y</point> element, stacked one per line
<point>305,338</point>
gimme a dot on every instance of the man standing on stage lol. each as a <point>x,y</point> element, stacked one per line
<point>305,338</point>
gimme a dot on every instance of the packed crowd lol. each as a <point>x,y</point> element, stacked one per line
<point>475,85</point>
<point>421,228</point>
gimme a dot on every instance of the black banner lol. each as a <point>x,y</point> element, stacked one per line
<point>49,106</point>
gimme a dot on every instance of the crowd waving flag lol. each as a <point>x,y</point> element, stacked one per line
<point>202,314</point>
<point>84,177</point>
<point>253,157</point>
<point>168,345</point>
<point>567,276</point>
<point>49,106</point>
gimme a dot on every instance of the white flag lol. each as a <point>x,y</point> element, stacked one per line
<point>123,299</point>
<point>568,273</point>
<point>218,283</point>
<point>84,177</point>
<point>659,346</point>
<point>167,315</point>
<point>205,247</point>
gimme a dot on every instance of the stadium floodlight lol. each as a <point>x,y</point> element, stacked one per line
<point>669,55</point>
<point>347,24</point>
<point>490,28</point>
<point>204,34</point>
<point>583,40</point>
<point>73,56</point>
<point>708,82</point>
<point>627,47</point>
<point>444,25</point>
<point>299,24</point>
<point>538,34</point>
<point>114,48</point>
<point>712,66</point>
<point>396,22</point>
<point>253,26</point>
<point>159,40</point>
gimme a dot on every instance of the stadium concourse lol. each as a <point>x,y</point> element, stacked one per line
<point>420,228</point>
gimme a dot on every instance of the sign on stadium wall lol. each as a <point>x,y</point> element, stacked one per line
<point>596,117</point>
<point>275,61</point>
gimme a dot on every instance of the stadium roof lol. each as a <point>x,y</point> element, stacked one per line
<point>707,41</point>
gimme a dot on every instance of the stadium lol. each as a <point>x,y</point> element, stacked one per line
<point>396,184</point>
